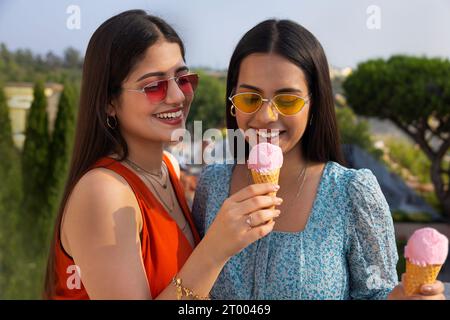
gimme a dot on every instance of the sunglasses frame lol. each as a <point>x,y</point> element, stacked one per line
<point>176,78</point>
<point>264,100</point>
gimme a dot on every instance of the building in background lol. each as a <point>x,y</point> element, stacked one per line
<point>19,97</point>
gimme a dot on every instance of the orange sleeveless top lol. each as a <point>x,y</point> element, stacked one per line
<point>164,246</point>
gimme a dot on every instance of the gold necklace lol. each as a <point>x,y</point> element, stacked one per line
<point>151,174</point>
<point>144,173</point>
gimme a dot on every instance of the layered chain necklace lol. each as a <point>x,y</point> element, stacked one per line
<point>162,178</point>
<point>158,177</point>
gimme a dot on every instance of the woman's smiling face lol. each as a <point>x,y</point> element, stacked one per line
<point>138,116</point>
<point>270,74</point>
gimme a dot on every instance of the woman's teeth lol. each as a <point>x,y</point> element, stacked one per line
<point>265,134</point>
<point>169,115</point>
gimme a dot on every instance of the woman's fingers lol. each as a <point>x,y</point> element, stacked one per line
<point>254,190</point>
<point>433,289</point>
<point>260,217</point>
<point>257,203</point>
<point>259,232</point>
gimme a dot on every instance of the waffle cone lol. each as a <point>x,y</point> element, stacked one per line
<point>416,276</point>
<point>266,177</point>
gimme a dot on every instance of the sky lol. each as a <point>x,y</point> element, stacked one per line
<point>351,31</point>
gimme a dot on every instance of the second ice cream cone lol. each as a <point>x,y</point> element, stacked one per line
<point>425,253</point>
<point>416,276</point>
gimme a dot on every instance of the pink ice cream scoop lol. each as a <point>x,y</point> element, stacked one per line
<point>427,247</point>
<point>265,157</point>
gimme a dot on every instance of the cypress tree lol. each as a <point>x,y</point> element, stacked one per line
<point>34,169</point>
<point>5,142</point>
<point>60,152</point>
<point>10,196</point>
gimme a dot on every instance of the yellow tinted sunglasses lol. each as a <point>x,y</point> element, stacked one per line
<point>286,104</point>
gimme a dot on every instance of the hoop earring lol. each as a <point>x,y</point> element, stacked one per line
<point>233,113</point>
<point>310,121</point>
<point>109,124</point>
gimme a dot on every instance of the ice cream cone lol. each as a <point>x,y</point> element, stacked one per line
<point>264,162</point>
<point>425,253</point>
<point>416,276</point>
<point>266,177</point>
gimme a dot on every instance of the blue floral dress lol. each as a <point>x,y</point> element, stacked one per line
<point>346,251</point>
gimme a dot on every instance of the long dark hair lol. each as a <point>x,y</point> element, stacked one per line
<point>114,49</point>
<point>320,142</point>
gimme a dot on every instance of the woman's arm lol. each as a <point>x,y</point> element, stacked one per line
<point>228,234</point>
<point>371,248</point>
<point>102,224</point>
<point>101,227</point>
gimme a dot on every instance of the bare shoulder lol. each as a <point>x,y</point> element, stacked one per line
<point>101,230</point>
<point>100,202</point>
<point>101,187</point>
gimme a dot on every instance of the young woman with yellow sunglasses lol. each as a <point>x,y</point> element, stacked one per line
<point>334,238</point>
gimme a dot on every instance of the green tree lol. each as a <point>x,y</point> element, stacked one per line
<point>410,157</point>
<point>355,131</point>
<point>52,61</point>
<point>414,93</point>
<point>60,152</point>
<point>209,104</point>
<point>6,140</point>
<point>5,152</point>
<point>34,168</point>
<point>23,65</point>
<point>72,58</point>
<point>10,196</point>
